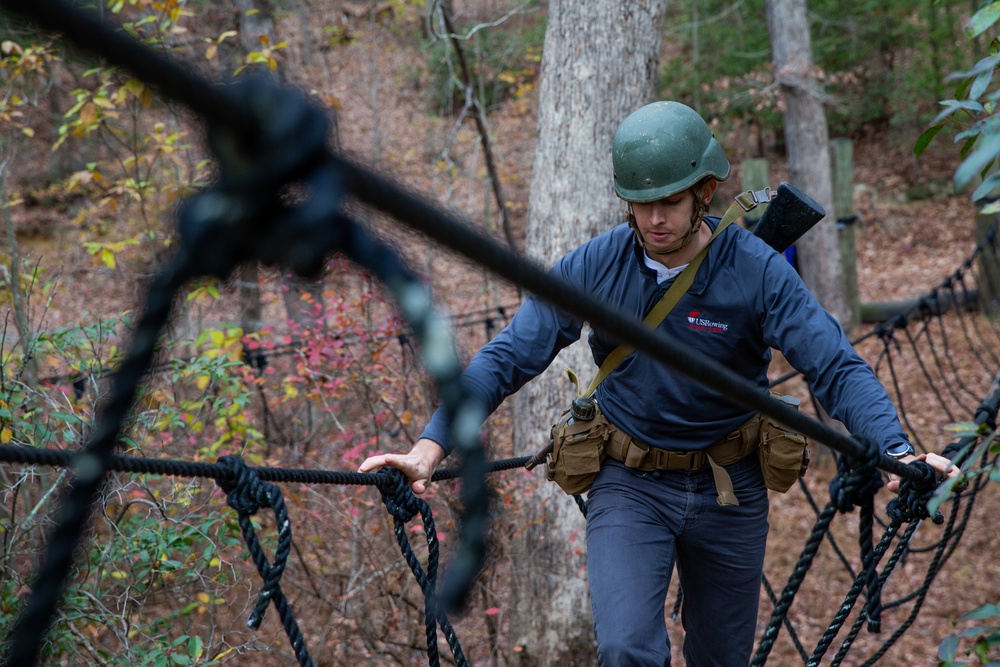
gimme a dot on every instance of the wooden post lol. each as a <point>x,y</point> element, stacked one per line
<point>989,267</point>
<point>842,159</point>
<point>754,178</point>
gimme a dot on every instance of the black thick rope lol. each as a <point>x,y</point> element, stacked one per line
<point>247,494</point>
<point>845,608</point>
<point>403,505</point>
<point>856,483</point>
<point>222,473</point>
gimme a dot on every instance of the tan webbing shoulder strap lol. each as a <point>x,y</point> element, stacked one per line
<point>669,300</point>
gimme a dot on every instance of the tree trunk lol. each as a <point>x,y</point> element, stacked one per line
<point>300,296</point>
<point>599,63</point>
<point>809,163</point>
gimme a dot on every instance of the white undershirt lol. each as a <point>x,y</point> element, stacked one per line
<point>663,274</point>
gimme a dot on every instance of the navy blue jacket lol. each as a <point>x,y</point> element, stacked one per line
<point>745,299</point>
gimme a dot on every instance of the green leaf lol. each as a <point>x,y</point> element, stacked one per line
<point>984,18</point>
<point>986,611</point>
<point>925,139</point>
<point>951,106</point>
<point>986,64</point>
<point>942,493</point>
<point>948,648</point>
<point>981,157</point>
<point>195,647</point>
<point>980,84</point>
<point>67,417</point>
<point>977,630</point>
<point>963,429</point>
<point>986,188</point>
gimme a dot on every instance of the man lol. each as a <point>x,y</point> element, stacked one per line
<point>745,299</point>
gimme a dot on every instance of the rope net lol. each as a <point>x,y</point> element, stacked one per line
<point>267,140</point>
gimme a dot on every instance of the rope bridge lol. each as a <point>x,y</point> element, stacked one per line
<point>267,139</point>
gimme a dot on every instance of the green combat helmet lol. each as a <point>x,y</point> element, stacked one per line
<point>664,148</point>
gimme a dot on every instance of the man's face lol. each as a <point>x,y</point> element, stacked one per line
<point>664,221</point>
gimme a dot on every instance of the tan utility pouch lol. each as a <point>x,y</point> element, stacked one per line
<point>579,443</point>
<point>784,454</point>
<point>578,449</point>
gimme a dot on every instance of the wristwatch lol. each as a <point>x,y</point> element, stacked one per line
<point>899,450</point>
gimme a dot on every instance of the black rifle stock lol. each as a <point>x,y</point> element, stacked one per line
<point>790,214</point>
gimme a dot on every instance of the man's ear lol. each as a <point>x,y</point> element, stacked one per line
<point>708,189</point>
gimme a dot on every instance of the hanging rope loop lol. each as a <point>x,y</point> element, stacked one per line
<point>856,483</point>
<point>403,505</point>
<point>246,493</point>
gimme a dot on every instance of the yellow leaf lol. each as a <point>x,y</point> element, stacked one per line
<point>218,338</point>
<point>28,131</point>
<point>88,113</point>
<point>135,86</point>
<point>291,391</point>
<point>5,435</point>
<point>215,562</point>
<point>203,597</point>
<point>147,98</point>
<point>202,381</point>
<point>108,258</point>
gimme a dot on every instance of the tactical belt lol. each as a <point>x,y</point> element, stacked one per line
<point>734,447</point>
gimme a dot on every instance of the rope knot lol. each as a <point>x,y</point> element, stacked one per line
<point>245,494</point>
<point>914,494</point>
<point>399,499</point>
<point>856,481</point>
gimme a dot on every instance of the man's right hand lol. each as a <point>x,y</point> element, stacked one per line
<point>418,465</point>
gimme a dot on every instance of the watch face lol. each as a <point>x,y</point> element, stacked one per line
<point>899,451</point>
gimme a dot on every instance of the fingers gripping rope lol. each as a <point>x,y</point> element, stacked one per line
<point>403,505</point>
<point>246,495</point>
<point>914,494</point>
<point>856,483</point>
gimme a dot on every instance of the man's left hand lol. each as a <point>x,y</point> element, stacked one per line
<point>936,461</point>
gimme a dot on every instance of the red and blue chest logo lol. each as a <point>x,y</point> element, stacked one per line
<point>701,322</point>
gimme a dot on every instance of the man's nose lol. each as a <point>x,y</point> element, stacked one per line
<point>658,214</point>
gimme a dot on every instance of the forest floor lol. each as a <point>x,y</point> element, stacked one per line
<point>905,246</point>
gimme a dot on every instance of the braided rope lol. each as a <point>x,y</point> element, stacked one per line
<point>247,494</point>
<point>403,506</point>
<point>856,484</point>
